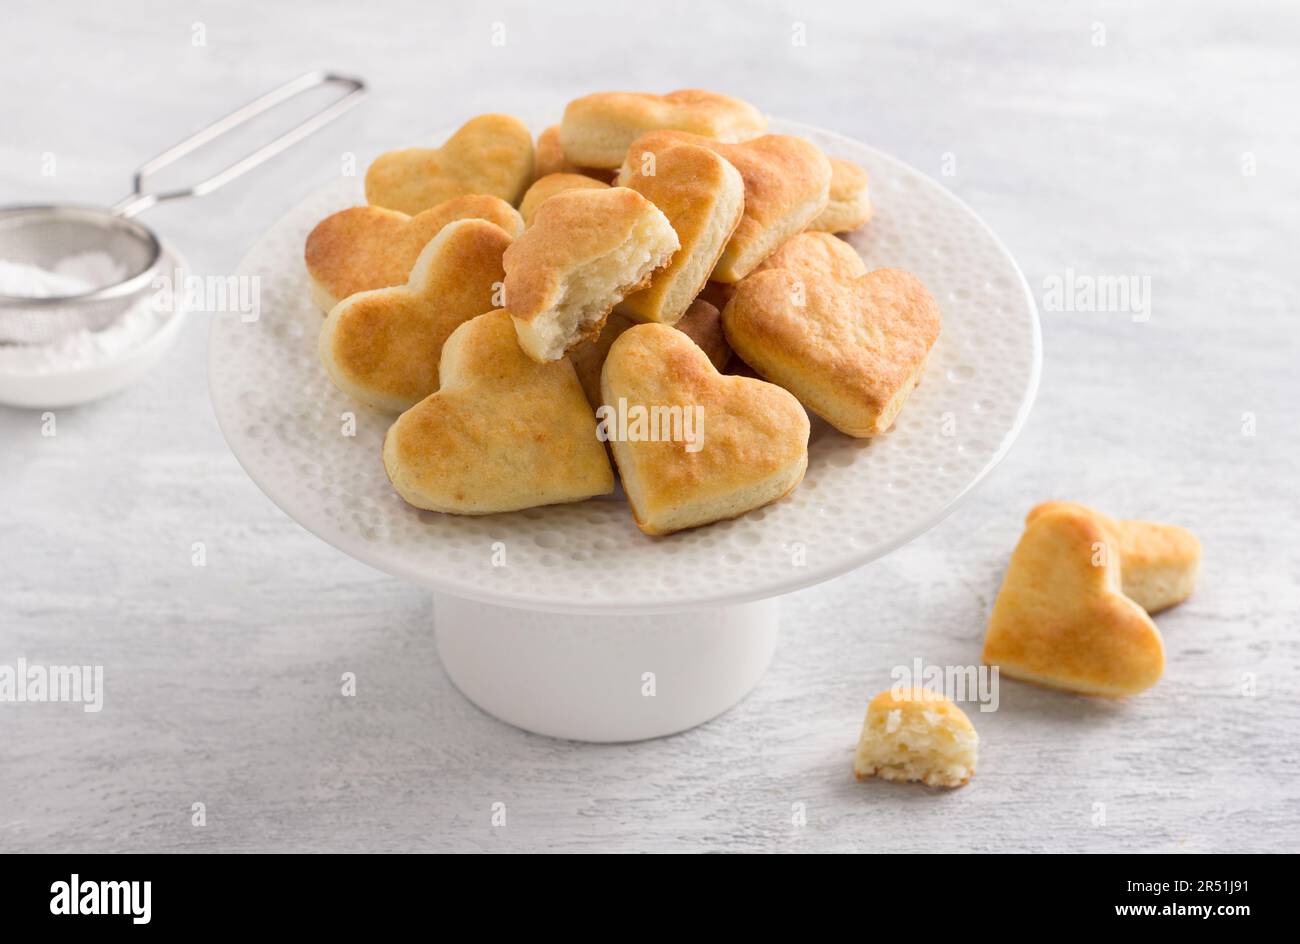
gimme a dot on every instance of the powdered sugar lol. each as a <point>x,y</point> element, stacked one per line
<point>23,280</point>
<point>74,275</point>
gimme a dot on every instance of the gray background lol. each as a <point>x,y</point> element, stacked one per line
<point>222,682</point>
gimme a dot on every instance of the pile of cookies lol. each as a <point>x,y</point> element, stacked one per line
<point>655,273</point>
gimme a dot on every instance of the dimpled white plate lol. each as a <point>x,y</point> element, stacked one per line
<point>861,499</point>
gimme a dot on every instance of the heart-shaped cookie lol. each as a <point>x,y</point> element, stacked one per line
<point>503,433</point>
<point>367,247</point>
<point>693,445</point>
<point>490,154</point>
<point>382,346</point>
<point>850,202</point>
<point>1160,561</point>
<point>787,184</point>
<point>1061,618</point>
<point>703,197</point>
<point>809,255</point>
<point>814,256</point>
<point>546,187</point>
<point>597,129</point>
<point>851,351</point>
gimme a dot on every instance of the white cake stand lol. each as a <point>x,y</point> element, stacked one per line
<point>566,620</point>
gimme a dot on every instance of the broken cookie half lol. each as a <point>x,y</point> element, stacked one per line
<point>584,252</point>
<point>914,734</point>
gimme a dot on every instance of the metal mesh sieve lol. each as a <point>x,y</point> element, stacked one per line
<point>43,236</point>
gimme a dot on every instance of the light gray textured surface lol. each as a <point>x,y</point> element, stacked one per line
<point>222,682</point>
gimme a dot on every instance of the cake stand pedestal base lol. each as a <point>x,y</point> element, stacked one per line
<point>604,678</point>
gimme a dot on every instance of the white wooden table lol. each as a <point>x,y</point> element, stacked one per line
<point>1098,138</point>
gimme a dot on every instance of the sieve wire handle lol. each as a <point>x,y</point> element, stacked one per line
<point>139,200</point>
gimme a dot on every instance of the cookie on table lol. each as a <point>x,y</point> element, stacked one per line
<point>1061,618</point>
<point>1161,562</point>
<point>915,735</point>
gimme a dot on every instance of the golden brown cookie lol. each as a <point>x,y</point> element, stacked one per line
<point>546,187</point>
<point>809,255</point>
<point>584,252</point>
<point>850,203</point>
<point>1160,561</point>
<point>382,347</point>
<point>816,256</point>
<point>503,433</point>
<point>693,445</point>
<point>703,197</point>
<point>490,154</point>
<point>367,247</point>
<point>912,734</point>
<point>1061,618</point>
<point>550,159</point>
<point>597,129</point>
<point>850,351</point>
<point>787,184</point>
